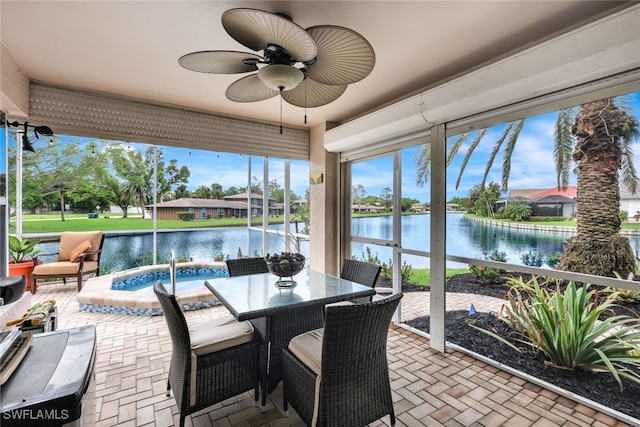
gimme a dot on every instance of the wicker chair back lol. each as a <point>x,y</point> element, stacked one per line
<point>244,266</point>
<point>218,375</point>
<point>362,272</point>
<point>354,386</point>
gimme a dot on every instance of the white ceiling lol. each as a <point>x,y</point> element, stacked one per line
<point>131,48</point>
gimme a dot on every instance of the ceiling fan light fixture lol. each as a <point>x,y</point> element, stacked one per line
<point>280,76</point>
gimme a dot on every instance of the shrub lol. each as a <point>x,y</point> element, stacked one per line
<point>549,218</point>
<point>496,255</point>
<point>517,211</point>
<point>569,329</point>
<point>553,259</point>
<point>405,272</point>
<point>624,215</point>
<point>622,294</point>
<point>489,274</point>
<point>220,257</point>
<point>186,216</point>
<point>533,258</point>
<point>147,258</point>
<point>386,270</point>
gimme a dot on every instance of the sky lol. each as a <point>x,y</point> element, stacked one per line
<point>228,169</point>
<point>532,164</point>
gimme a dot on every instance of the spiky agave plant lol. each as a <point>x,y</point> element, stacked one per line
<point>567,329</point>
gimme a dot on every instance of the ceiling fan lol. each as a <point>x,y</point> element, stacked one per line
<point>307,67</point>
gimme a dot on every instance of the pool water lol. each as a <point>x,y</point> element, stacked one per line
<point>186,279</point>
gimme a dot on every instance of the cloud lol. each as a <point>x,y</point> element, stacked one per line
<point>229,170</point>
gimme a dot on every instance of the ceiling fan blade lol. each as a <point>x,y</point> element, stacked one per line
<point>219,62</point>
<point>249,89</point>
<point>344,56</point>
<point>257,28</point>
<point>311,94</point>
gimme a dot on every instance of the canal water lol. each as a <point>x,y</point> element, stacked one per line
<point>464,238</point>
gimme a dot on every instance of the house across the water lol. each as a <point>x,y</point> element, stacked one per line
<point>545,202</point>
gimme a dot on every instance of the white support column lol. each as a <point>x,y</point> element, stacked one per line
<point>438,248</point>
<point>155,205</point>
<point>19,184</point>
<point>248,204</point>
<point>287,206</point>
<point>265,205</point>
<point>397,229</point>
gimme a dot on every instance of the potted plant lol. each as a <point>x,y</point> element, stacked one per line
<point>23,255</point>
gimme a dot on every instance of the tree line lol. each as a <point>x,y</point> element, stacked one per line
<point>359,196</point>
<point>94,176</point>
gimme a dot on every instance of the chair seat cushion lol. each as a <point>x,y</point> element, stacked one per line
<point>63,268</point>
<point>219,334</point>
<point>308,348</point>
<point>333,304</point>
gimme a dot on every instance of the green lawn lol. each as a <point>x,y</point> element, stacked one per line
<point>421,276</point>
<point>77,222</point>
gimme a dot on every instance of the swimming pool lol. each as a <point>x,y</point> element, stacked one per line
<point>99,295</point>
<point>186,279</point>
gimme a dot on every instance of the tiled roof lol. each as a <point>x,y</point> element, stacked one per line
<point>201,203</point>
<point>524,192</point>
<point>569,192</point>
<point>244,196</point>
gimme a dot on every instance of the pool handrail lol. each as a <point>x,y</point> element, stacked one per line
<point>172,272</point>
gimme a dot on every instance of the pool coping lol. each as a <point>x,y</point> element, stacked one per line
<point>97,296</point>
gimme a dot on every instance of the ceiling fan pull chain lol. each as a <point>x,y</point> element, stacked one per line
<point>305,101</point>
<point>281,111</point>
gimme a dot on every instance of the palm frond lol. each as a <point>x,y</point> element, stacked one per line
<point>628,170</point>
<point>473,146</point>
<point>422,160</point>
<point>496,149</point>
<point>563,146</point>
<point>455,147</point>
<point>508,153</point>
<point>629,135</point>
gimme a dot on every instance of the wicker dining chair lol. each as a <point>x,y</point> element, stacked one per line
<point>244,266</point>
<point>345,363</point>
<point>211,361</point>
<point>365,273</point>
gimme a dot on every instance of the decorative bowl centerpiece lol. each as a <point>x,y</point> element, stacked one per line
<point>285,264</point>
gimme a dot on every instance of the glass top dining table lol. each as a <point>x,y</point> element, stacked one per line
<point>257,295</point>
<point>279,314</point>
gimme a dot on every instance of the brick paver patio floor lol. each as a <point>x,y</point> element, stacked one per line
<point>429,388</point>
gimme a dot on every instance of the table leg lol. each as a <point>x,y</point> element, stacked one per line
<point>262,327</point>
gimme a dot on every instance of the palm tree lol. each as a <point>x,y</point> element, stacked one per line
<point>599,142</point>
